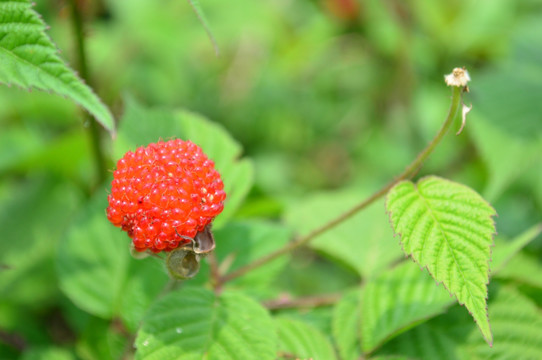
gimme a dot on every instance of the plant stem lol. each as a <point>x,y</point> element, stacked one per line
<point>408,173</point>
<point>13,340</point>
<point>215,274</point>
<point>94,128</point>
<point>309,301</point>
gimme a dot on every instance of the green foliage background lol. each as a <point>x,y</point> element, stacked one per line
<point>322,105</point>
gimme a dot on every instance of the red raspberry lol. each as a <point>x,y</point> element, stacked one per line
<point>165,193</point>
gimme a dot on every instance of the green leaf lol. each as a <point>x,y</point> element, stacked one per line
<point>489,137</point>
<point>16,145</point>
<point>398,299</point>
<point>346,325</point>
<point>448,228</point>
<point>47,353</point>
<point>146,279</point>
<point>96,270</point>
<point>505,250</point>
<point>20,320</point>
<point>431,341</point>
<point>99,339</point>
<point>516,323</point>
<point>316,317</point>
<point>194,323</point>
<point>30,60</point>
<point>507,94</point>
<point>33,217</point>
<point>67,155</point>
<point>93,261</point>
<point>537,181</point>
<point>308,275</point>
<point>238,178</point>
<point>140,126</point>
<point>300,340</point>
<point>201,16</point>
<point>364,242</point>
<point>243,242</point>
<point>523,268</point>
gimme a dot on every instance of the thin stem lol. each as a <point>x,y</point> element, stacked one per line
<point>94,129</point>
<point>215,273</point>
<point>309,301</point>
<point>408,173</point>
<point>13,340</point>
<point>172,284</point>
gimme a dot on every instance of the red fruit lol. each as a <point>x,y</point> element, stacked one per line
<point>165,193</point>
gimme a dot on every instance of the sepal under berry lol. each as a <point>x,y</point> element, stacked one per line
<point>183,263</point>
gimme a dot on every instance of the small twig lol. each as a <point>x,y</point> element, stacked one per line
<point>304,302</point>
<point>172,284</point>
<point>119,328</point>
<point>94,128</point>
<point>215,273</point>
<point>287,355</point>
<point>203,20</point>
<point>13,340</point>
<point>408,173</point>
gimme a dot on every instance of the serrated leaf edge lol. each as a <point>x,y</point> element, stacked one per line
<point>42,29</point>
<point>422,267</point>
<point>408,325</point>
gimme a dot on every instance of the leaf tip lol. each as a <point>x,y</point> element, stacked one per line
<point>488,337</point>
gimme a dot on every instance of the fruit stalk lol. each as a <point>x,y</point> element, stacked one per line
<point>408,173</point>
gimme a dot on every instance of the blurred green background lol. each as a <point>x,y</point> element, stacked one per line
<point>322,94</point>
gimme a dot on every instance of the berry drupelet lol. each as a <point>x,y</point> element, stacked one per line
<point>164,194</point>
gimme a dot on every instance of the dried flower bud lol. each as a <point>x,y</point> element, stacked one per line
<point>458,77</point>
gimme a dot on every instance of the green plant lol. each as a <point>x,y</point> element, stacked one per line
<point>305,264</point>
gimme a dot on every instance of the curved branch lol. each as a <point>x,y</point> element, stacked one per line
<point>408,173</point>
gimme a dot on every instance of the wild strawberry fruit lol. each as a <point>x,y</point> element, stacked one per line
<point>165,194</point>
